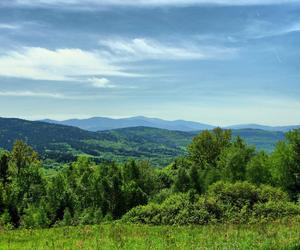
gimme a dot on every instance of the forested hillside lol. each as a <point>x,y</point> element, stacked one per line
<point>220,180</point>
<point>63,143</point>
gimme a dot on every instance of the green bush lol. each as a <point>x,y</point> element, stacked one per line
<point>178,209</point>
<point>238,195</point>
<point>144,214</point>
<point>242,194</point>
<point>275,210</point>
<point>35,218</point>
<point>5,220</point>
<point>240,202</point>
<point>267,193</point>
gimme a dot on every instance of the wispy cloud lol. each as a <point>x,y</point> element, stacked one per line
<point>32,94</point>
<point>262,29</point>
<point>9,26</point>
<point>57,65</point>
<point>145,3</point>
<point>94,66</point>
<point>51,95</point>
<point>146,49</point>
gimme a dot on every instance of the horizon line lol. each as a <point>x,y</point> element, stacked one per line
<point>150,117</point>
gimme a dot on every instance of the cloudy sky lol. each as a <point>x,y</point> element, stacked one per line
<point>214,61</point>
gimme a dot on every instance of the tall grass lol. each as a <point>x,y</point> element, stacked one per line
<point>282,234</point>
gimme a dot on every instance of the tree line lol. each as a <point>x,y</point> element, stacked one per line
<point>221,178</point>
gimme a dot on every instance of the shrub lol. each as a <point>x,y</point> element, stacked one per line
<point>67,220</point>
<point>178,209</point>
<point>237,195</point>
<point>162,196</point>
<point>267,193</point>
<point>242,194</point>
<point>239,202</point>
<point>5,220</point>
<point>35,218</point>
<point>275,210</point>
<point>144,214</point>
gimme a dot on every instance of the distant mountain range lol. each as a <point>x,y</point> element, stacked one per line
<point>63,143</point>
<point>264,127</point>
<point>103,123</point>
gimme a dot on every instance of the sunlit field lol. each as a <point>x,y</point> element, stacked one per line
<point>283,234</point>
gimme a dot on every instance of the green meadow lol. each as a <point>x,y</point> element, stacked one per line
<point>280,234</point>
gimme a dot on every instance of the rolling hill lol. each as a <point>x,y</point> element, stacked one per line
<point>63,143</point>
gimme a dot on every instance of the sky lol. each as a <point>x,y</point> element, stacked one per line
<point>220,62</point>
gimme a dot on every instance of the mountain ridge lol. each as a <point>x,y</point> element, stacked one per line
<point>104,123</point>
<point>63,143</point>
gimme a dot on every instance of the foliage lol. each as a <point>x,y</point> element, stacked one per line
<point>206,147</point>
<point>220,180</point>
<point>258,169</point>
<point>286,160</point>
<point>234,159</point>
<point>239,202</point>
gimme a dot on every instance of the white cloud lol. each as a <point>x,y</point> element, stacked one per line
<point>57,65</point>
<point>100,82</point>
<point>8,26</point>
<point>145,3</point>
<point>145,49</point>
<point>92,66</point>
<point>32,94</point>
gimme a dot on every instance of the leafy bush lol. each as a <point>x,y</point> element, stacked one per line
<point>240,202</point>
<point>178,209</point>
<point>34,218</point>
<point>5,220</point>
<point>267,193</point>
<point>274,210</point>
<point>237,195</point>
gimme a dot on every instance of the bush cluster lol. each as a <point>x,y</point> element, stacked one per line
<point>239,202</point>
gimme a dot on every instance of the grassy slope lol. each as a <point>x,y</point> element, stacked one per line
<point>284,234</point>
<point>63,143</point>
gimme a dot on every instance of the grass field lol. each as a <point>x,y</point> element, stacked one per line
<point>284,234</point>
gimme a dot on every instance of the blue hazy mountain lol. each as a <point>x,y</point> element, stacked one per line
<point>103,123</point>
<point>264,127</point>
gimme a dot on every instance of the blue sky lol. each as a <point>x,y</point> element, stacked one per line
<point>215,61</point>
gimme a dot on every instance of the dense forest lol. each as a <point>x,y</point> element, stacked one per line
<point>220,179</point>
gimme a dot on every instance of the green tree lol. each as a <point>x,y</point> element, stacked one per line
<point>26,186</point>
<point>4,163</point>
<point>206,147</point>
<point>131,171</point>
<point>133,195</point>
<point>234,159</point>
<point>182,181</point>
<point>22,156</point>
<point>286,160</point>
<point>258,169</point>
<point>195,179</point>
